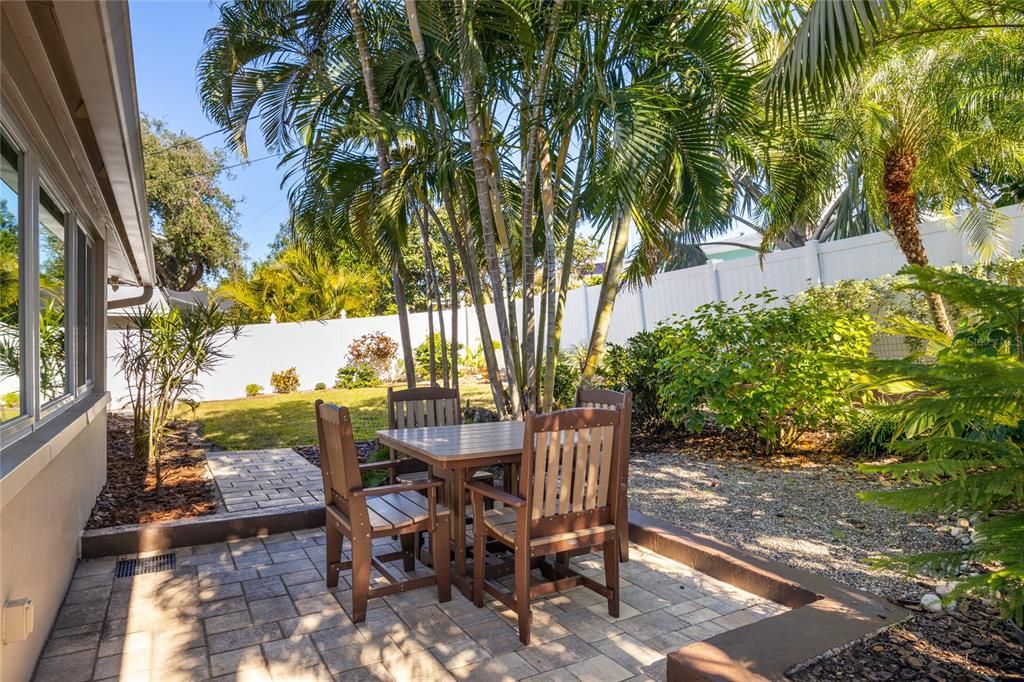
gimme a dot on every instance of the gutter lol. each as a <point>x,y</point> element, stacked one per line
<point>141,299</point>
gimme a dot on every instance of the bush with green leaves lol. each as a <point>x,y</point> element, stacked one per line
<point>320,386</point>
<point>867,433</point>
<point>568,369</point>
<point>356,376</point>
<point>766,369</point>
<point>634,366</point>
<point>376,350</point>
<point>421,355</point>
<point>285,381</point>
<point>253,390</point>
<point>963,416</point>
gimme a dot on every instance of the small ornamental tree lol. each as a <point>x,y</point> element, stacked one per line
<point>285,381</point>
<point>376,350</point>
<point>760,368</point>
<point>964,415</point>
<point>162,357</point>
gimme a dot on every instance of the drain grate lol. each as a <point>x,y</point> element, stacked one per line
<point>126,568</point>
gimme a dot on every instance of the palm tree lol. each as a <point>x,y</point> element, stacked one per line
<point>292,64</point>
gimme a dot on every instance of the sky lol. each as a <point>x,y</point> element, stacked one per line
<point>167,37</point>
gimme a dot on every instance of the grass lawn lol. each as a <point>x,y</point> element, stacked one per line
<point>284,421</point>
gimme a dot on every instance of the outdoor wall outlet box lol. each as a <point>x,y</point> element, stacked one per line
<point>17,622</point>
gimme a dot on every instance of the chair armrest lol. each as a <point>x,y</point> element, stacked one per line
<point>382,464</point>
<point>396,488</point>
<point>495,494</point>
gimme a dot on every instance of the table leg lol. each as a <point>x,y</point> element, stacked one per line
<point>458,518</point>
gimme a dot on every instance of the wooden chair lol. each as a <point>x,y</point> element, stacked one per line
<point>362,514</point>
<point>412,408</point>
<point>567,500</point>
<point>605,399</point>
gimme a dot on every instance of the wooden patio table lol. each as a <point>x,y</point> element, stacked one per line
<point>454,453</point>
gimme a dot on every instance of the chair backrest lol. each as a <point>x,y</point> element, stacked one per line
<point>339,462</point>
<point>607,399</point>
<point>571,468</point>
<point>423,406</point>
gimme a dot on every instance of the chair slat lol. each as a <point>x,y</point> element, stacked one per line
<point>597,449</point>
<point>605,474</point>
<point>540,462</point>
<point>579,468</point>
<point>556,443</point>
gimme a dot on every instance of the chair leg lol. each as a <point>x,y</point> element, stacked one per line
<point>622,527</point>
<point>522,563</point>
<point>361,564</point>
<point>479,561</point>
<point>409,543</point>
<point>611,575</point>
<point>439,547</point>
<point>335,542</point>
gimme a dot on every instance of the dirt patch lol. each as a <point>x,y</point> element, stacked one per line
<point>311,453</point>
<point>970,644</point>
<point>130,495</point>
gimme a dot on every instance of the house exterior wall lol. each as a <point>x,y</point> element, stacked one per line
<point>53,457</point>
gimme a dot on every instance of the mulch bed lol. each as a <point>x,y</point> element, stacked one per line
<point>311,453</point>
<point>130,495</point>
<point>971,644</point>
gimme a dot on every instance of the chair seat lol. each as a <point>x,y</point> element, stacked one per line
<point>420,476</point>
<point>501,521</point>
<point>395,511</point>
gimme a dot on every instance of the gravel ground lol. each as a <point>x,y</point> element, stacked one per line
<point>806,516</point>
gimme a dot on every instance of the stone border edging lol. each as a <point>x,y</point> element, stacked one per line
<point>199,530</point>
<point>825,615</point>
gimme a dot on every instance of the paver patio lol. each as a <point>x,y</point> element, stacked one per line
<point>258,609</point>
<point>265,479</point>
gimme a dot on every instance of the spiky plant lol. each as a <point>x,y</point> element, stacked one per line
<point>964,412</point>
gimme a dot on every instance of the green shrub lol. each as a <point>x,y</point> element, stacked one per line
<point>868,433</point>
<point>356,376</point>
<point>765,371</point>
<point>285,381</point>
<point>421,356</point>
<point>567,379</point>
<point>253,390</point>
<point>963,413</point>
<point>11,399</point>
<point>320,386</point>
<point>634,366</point>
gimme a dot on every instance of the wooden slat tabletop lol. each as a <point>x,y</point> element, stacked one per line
<point>448,446</point>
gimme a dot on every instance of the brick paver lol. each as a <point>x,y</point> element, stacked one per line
<point>258,609</point>
<point>265,479</point>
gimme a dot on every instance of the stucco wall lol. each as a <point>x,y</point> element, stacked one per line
<point>39,533</point>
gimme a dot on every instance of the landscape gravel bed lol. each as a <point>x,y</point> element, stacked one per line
<point>806,515</point>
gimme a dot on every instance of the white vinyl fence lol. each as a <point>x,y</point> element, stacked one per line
<point>318,349</point>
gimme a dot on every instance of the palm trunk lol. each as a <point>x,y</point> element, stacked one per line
<point>606,301</point>
<point>901,205</point>
<point>555,332</point>
<point>384,161</point>
<point>548,305</point>
<point>530,164</point>
<point>483,202</point>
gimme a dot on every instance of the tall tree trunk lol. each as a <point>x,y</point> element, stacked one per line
<point>606,301</point>
<point>549,302</point>
<point>537,92</point>
<point>901,205</point>
<point>384,161</point>
<point>434,294</point>
<point>483,201</point>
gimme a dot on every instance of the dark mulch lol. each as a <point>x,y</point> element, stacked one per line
<point>811,448</point>
<point>311,453</point>
<point>130,495</point>
<point>971,644</point>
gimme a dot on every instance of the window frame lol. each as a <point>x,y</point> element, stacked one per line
<point>35,177</point>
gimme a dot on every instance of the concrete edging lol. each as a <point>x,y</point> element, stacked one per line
<point>825,615</point>
<point>200,530</point>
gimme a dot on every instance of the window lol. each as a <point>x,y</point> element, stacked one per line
<point>49,306</point>
<point>84,351</point>
<point>12,403</point>
<point>53,299</point>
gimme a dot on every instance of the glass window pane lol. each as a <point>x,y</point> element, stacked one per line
<point>11,402</point>
<point>52,297</point>
<point>82,298</point>
<point>90,307</point>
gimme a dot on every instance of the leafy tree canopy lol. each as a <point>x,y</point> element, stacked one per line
<point>193,217</point>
